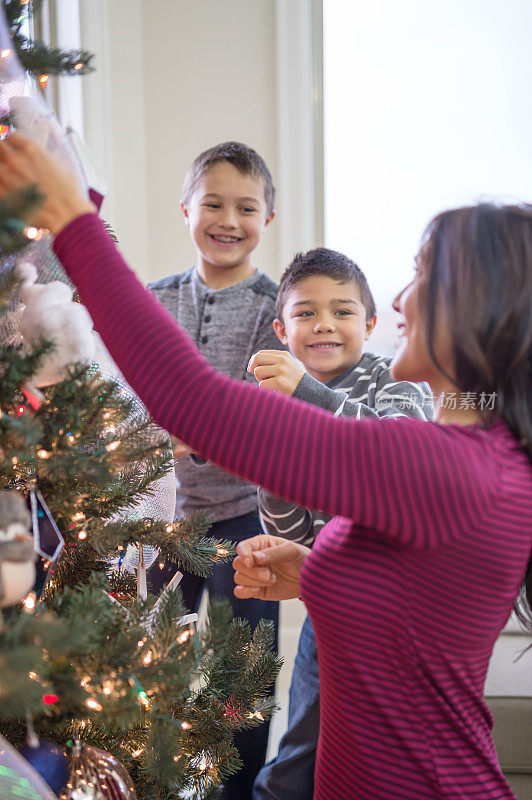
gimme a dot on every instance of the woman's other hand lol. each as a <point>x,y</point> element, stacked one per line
<point>180,449</point>
<point>269,568</point>
<point>23,163</point>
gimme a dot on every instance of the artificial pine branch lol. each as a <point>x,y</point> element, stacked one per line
<point>36,57</point>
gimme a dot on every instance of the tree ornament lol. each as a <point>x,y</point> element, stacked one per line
<point>49,760</point>
<point>50,313</point>
<point>18,779</point>
<point>17,556</point>
<point>96,775</point>
<point>48,541</point>
<point>47,537</point>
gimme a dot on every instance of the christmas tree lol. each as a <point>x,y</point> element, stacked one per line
<point>88,660</point>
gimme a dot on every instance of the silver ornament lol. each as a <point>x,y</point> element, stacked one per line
<point>97,775</point>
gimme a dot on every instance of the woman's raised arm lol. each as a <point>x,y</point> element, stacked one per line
<point>415,482</point>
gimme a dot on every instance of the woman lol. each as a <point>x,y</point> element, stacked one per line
<point>410,585</point>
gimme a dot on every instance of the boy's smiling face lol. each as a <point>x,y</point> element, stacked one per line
<point>227,215</point>
<point>324,324</point>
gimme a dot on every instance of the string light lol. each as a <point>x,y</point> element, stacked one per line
<point>182,638</point>
<point>169,528</point>
<point>107,415</point>
<point>43,80</point>
<point>44,454</point>
<point>32,233</point>
<point>85,681</point>
<point>94,704</point>
<point>14,460</point>
<point>5,53</point>
<point>50,699</point>
<point>185,725</point>
<point>222,551</point>
<point>20,411</point>
<point>82,535</point>
<point>113,445</point>
<point>78,516</point>
<point>32,675</point>
<point>143,697</point>
<point>79,65</point>
<point>148,658</point>
<point>29,602</point>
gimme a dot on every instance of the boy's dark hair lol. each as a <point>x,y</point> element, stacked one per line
<point>244,158</point>
<point>322,261</point>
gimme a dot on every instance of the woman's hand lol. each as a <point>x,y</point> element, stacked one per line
<point>269,568</point>
<point>24,162</point>
<point>180,449</point>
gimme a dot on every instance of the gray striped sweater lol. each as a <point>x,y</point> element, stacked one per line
<point>365,390</point>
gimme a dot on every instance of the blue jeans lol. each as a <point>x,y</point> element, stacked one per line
<point>252,743</point>
<point>290,776</point>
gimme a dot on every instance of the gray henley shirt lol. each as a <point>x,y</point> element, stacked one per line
<point>228,326</point>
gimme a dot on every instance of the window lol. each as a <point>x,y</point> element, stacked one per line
<point>426,106</point>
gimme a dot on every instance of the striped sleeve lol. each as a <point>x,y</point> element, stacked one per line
<point>398,399</point>
<point>280,517</point>
<point>418,483</point>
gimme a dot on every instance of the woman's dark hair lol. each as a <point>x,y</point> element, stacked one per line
<point>480,269</point>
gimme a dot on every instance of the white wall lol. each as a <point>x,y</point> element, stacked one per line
<point>182,76</point>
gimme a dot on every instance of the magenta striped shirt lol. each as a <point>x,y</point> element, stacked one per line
<point>411,583</point>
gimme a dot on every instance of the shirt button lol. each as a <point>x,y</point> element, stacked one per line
<point>207,318</point>
<point>210,300</point>
<point>204,339</point>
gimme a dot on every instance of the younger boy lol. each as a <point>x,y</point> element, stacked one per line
<point>325,312</point>
<point>227,308</point>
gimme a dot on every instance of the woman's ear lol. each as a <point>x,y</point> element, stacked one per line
<point>184,211</point>
<point>280,331</point>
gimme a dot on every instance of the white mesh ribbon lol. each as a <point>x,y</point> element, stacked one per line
<point>160,505</point>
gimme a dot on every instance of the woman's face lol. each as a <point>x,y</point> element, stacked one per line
<point>412,361</point>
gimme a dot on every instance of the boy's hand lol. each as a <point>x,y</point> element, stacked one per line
<point>269,568</point>
<point>180,449</point>
<point>276,370</point>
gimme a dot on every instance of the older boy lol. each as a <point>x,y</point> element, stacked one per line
<point>227,308</point>
<point>325,312</point>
